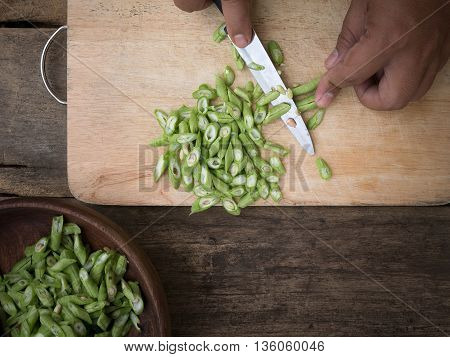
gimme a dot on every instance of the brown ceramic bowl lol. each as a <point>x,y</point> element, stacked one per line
<point>24,220</point>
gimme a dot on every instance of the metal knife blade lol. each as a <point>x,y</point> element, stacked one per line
<point>269,78</point>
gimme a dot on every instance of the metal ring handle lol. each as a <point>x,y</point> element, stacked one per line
<point>43,57</point>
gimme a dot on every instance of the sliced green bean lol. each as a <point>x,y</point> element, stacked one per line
<point>249,121</point>
<point>260,114</point>
<point>79,249</point>
<point>251,180</point>
<point>161,166</point>
<point>276,148</point>
<point>205,176</point>
<point>316,120</point>
<point>202,107</point>
<point>99,265</point>
<point>275,53</point>
<point>256,67</point>
<point>268,98</point>
<point>229,76</point>
<point>275,192</point>
<point>202,122</point>
<point>263,188</point>
<point>174,173</point>
<point>230,206</point>
<point>220,33</point>
<point>229,157</point>
<point>240,64</point>
<point>277,112</point>
<point>306,88</point>
<point>172,123</point>
<point>158,142</point>
<point>277,165</point>
<point>324,169</point>
<point>56,233</point>
<point>7,304</point>
<point>243,94</point>
<point>221,88</point>
<point>238,191</point>
<point>202,204</point>
<point>256,136</point>
<point>88,283</point>
<point>208,93</point>
<point>233,98</point>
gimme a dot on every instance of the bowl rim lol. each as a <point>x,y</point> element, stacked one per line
<point>67,206</point>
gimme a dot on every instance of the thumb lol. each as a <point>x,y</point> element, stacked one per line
<point>238,19</point>
<point>351,32</point>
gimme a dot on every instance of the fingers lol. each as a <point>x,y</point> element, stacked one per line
<point>238,19</point>
<point>361,62</point>
<point>192,5</point>
<point>352,30</point>
<point>396,88</point>
<point>427,81</point>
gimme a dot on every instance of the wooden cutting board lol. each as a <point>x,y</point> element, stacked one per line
<point>127,57</point>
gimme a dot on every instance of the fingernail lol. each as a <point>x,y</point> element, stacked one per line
<point>325,99</point>
<point>240,40</point>
<point>332,59</point>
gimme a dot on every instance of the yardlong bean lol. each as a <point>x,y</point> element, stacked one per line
<point>58,290</point>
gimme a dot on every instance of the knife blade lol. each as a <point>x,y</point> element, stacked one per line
<point>269,78</point>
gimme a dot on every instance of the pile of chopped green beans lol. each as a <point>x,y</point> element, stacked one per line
<point>305,94</point>
<point>60,289</point>
<point>214,148</point>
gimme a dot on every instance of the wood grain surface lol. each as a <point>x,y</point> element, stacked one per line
<point>295,271</point>
<point>39,12</point>
<point>129,57</point>
<point>32,124</point>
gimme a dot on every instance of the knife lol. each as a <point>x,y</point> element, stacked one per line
<point>269,78</point>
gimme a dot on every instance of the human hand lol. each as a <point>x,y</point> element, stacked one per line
<point>389,51</point>
<point>237,17</point>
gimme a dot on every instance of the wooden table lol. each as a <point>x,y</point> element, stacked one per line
<point>362,271</point>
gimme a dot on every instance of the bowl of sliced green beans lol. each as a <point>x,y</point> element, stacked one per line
<point>68,271</point>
